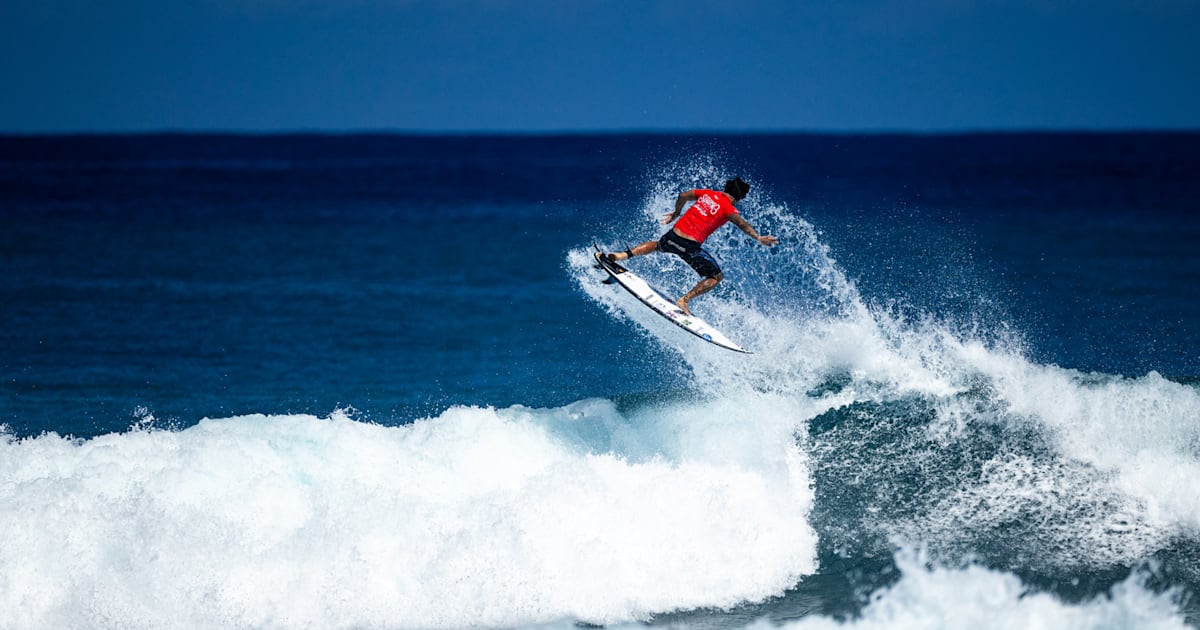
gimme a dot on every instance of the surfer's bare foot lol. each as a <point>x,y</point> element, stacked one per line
<point>683,306</point>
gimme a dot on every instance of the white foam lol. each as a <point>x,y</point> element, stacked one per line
<point>975,597</point>
<point>1146,431</point>
<point>477,517</point>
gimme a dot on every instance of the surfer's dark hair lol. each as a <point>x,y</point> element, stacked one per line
<point>737,188</point>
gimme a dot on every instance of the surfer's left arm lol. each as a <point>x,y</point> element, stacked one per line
<point>745,226</point>
<point>680,201</point>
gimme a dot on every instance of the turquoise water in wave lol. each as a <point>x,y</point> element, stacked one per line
<point>374,381</point>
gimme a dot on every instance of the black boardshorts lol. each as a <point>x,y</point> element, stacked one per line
<point>691,253</point>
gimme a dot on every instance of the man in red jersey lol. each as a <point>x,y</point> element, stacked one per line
<point>710,211</point>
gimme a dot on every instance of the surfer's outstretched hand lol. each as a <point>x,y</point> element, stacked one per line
<point>768,240</point>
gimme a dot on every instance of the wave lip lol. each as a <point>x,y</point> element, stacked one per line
<point>479,517</point>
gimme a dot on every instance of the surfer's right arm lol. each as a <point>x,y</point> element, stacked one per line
<point>745,226</point>
<point>680,201</point>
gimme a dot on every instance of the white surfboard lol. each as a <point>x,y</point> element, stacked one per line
<point>651,297</point>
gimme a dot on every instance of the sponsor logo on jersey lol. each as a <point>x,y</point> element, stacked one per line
<point>707,206</point>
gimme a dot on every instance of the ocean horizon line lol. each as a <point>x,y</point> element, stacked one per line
<point>584,133</point>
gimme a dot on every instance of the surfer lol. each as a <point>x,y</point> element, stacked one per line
<point>710,210</point>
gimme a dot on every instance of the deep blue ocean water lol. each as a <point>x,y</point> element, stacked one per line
<point>373,381</point>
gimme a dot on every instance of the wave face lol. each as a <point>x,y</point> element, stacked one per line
<point>941,431</point>
<point>476,517</point>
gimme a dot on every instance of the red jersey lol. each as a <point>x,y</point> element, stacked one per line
<point>711,210</point>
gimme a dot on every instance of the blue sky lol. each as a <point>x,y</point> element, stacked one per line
<point>581,65</point>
